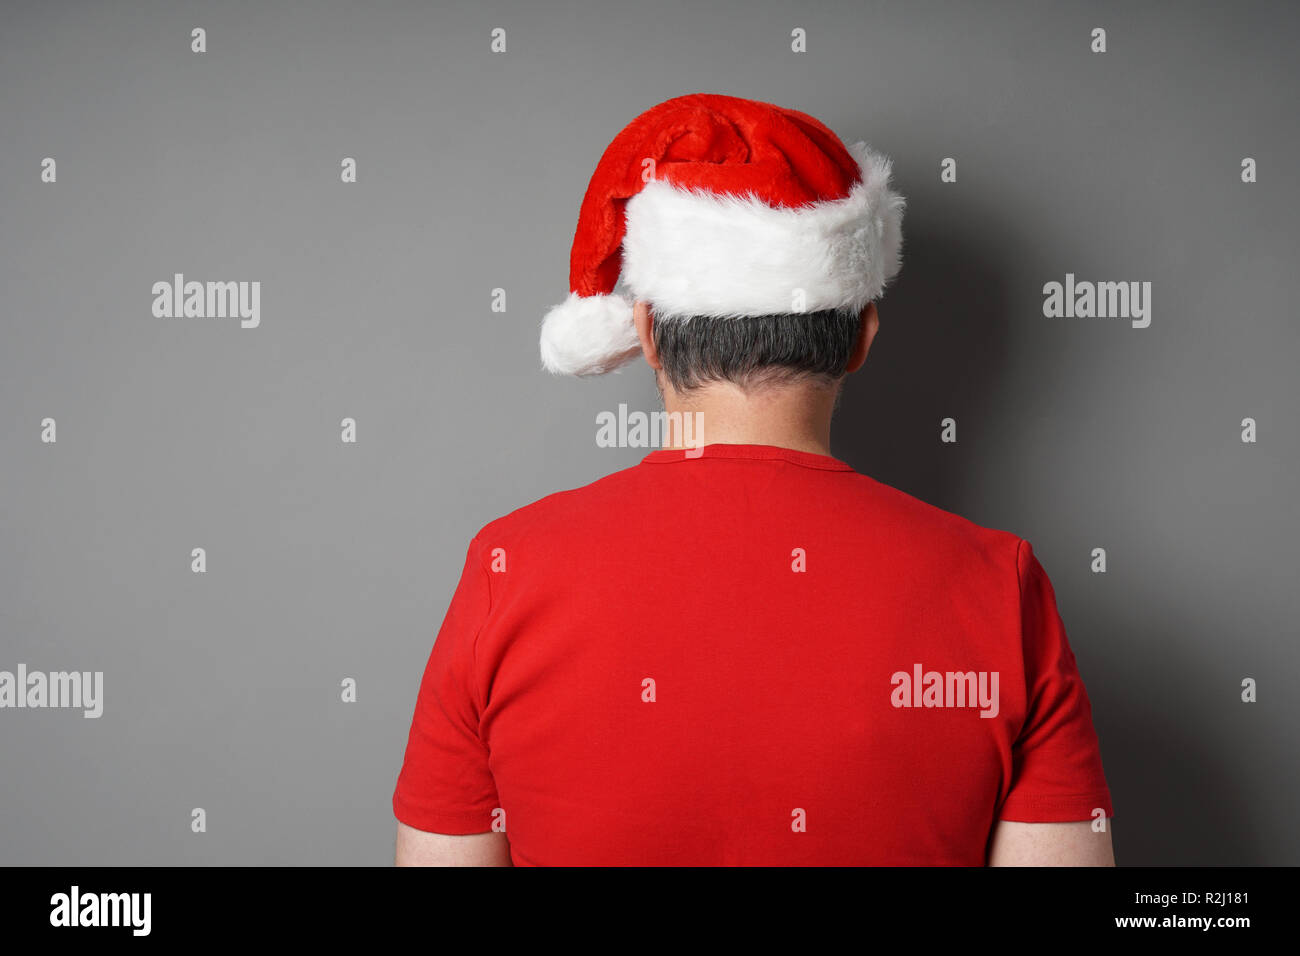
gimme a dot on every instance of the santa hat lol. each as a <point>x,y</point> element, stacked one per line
<point>718,206</point>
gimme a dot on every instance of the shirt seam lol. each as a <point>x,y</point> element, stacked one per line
<point>1020,584</point>
<point>841,466</point>
<point>414,812</point>
<point>487,576</point>
<point>1046,801</point>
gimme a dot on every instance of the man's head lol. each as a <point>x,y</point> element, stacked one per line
<point>757,239</point>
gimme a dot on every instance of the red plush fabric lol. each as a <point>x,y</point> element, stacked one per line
<point>722,144</point>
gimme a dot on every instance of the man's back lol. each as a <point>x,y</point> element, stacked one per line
<point>753,656</point>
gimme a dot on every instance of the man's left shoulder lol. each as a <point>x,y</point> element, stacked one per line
<point>568,513</point>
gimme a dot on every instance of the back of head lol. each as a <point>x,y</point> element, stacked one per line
<point>754,352</point>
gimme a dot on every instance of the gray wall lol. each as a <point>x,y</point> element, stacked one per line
<point>326,560</point>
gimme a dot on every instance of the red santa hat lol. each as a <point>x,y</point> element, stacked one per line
<point>719,206</point>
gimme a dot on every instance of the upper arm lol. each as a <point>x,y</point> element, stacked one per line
<point>1058,789</point>
<point>420,848</point>
<point>1057,776</point>
<point>1050,844</point>
<point>446,785</point>
<point>445,800</point>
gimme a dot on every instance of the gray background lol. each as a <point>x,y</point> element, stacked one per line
<point>328,560</point>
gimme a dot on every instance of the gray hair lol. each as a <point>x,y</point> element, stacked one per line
<point>758,350</point>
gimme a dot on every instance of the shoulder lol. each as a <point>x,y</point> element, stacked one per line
<point>919,530</point>
<point>942,536</point>
<point>570,512</point>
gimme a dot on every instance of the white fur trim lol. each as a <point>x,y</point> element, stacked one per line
<point>589,335</point>
<point>693,252</point>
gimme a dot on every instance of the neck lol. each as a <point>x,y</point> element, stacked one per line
<point>795,416</point>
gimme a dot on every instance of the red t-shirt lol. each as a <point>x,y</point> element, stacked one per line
<point>755,656</point>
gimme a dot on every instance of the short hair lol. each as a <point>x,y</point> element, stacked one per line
<point>757,350</point>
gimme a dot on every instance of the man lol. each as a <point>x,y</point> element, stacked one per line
<point>741,651</point>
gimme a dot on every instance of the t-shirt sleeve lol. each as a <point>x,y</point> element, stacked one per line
<point>1056,759</point>
<point>445,785</point>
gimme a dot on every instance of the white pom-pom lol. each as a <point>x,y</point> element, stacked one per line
<point>589,335</point>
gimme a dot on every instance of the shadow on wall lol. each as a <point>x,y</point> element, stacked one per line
<point>1178,801</point>
<point>940,352</point>
<point>943,349</point>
